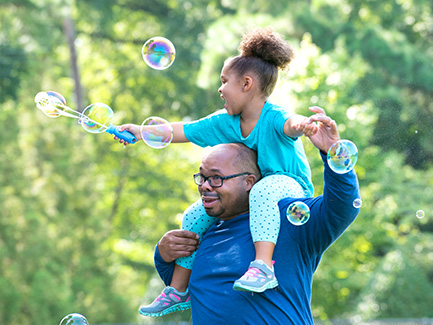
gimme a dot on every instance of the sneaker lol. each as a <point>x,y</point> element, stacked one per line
<point>258,278</point>
<point>169,301</point>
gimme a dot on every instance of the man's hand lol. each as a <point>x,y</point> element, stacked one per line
<point>327,132</point>
<point>177,243</point>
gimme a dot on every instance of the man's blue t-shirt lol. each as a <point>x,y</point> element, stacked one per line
<point>277,153</point>
<point>227,249</point>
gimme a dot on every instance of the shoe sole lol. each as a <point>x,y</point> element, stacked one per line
<point>241,287</point>
<point>177,307</point>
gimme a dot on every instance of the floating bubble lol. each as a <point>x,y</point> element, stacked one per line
<point>357,203</point>
<point>156,132</point>
<point>420,214</point>
<point>74,319</point>
<point>158,53</point>
<point>56,97</point>
<point>51,103</point>
<point>96,117</point>
<point>298,213</point>
<point>342,156</point>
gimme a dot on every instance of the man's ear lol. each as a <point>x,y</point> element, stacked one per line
<point>247,83</point>
<point>250,180</point>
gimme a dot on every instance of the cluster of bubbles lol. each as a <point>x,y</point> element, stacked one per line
<point>158,53</point>
<point>298,213</point>
<point>74,319</point>
<point>342,156</point>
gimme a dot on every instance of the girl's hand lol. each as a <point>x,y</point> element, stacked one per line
<point>132,128</point>
<point>327,132</point>
<point>307,127</point>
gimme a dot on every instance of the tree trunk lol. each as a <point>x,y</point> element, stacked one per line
<point>69,30</point>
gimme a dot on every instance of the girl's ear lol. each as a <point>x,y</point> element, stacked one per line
<point>247,83</point>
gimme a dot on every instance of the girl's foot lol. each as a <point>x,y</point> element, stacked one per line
<point>258,278</point>
<point>169,301</point>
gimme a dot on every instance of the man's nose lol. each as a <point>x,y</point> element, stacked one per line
<point>206,186</point>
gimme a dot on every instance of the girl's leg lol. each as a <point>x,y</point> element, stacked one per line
<point>196,220</point>
<point>265,213</point>
<point>265,228</point>
<point>176,296</point>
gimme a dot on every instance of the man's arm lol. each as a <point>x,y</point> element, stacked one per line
<point>335,211</point>
<point>174,244</point>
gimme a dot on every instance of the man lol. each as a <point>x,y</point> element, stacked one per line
<point>227,248</point>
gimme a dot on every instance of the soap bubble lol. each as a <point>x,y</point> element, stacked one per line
<point>51,103</point>
<point>158,53</point>
<point>298,213</point>
<point>342,156</point>
<point>74,319</point>
<point>96,117</point>
<point>420,214</point>
<point>156,132</point>
<point>357,203</point>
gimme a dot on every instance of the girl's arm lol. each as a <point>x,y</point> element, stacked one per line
<point>298,125</point>
<point>178,133</point>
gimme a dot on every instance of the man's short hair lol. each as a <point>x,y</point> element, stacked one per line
<point>246,159</point>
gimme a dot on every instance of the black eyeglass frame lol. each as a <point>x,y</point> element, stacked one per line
<point>222,178</point>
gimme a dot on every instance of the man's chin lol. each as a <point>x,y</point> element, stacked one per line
<point>209,211</point>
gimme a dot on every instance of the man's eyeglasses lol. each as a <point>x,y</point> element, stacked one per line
<point>214,181</point>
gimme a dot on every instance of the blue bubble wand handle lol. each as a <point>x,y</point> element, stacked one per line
<point>124,135</point>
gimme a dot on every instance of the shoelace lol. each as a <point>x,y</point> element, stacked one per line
<point>161,297</point>
<point>164,299</point>
<point>253,272</point>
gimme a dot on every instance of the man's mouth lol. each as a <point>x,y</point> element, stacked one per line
<point>209,200</point>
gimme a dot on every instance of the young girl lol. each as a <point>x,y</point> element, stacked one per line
<point>247,81</point>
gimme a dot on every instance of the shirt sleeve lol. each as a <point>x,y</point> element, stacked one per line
<point>335,212</point>
<point>211,130</point>
<point>330,213</point>
<point>281,115</point>
<point>165,269</point>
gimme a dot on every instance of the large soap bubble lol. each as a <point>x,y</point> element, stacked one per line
<point>96,117</point>
<point>156,132</point>
<point>158,53</point>
<point>342,156</point>
<point>298,213</point>
<point>51,103</point>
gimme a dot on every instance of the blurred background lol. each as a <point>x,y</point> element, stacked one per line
<point>80,214</point>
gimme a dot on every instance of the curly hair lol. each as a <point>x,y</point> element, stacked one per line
<point>262,52</point>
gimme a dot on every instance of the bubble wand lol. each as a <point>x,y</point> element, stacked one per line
<point>95,118</point>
